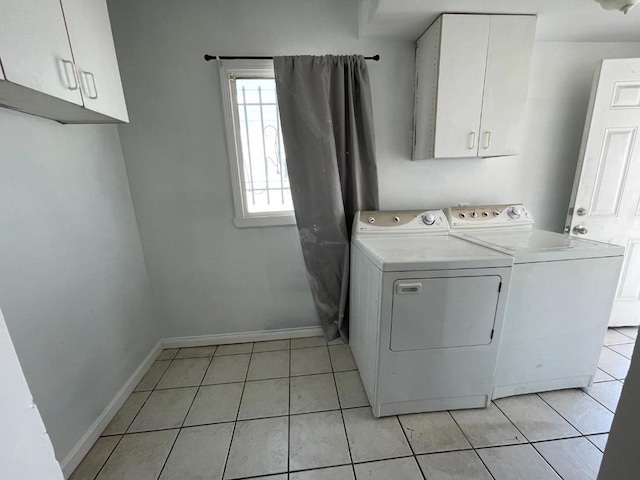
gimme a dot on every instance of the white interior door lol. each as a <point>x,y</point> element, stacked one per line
<point>95,55</point>
<point>606,196</point>
<point>34,48</point>
<point>463,59</point>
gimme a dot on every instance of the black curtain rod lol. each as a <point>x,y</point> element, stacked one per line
<point>207,57</point>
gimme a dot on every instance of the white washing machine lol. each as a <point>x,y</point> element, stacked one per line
<point>560,298</point>
<point>426,313</point>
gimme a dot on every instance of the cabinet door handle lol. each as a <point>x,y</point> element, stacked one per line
<point>87,75</point>
<point>67,64</point>
<point>472,140</point>
<point>487,139</point>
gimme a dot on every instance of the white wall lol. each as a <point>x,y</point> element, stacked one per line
<point>73,285</point>
<point>541,177</point>
<point>25,449</point>
<point>210,277</point>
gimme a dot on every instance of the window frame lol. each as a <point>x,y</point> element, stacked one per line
<point>229,71</point>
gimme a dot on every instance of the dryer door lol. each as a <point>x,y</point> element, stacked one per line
<point>443,312</point>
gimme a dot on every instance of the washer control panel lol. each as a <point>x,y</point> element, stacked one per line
<point>484,216</point>
<point>401,222</point>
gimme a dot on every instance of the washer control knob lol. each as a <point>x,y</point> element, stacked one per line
<point>429,219</point>
<point>485,214</point>
<point>396,219</point>
<point>496,213</point>
<point>463,215</point>
<point>474,214</point>
<point>514,212</point>
<point>371,220</point>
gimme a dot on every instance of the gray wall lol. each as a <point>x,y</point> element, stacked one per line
<point>210,277</point>
<point>73,285</point>
<point>621,460</point>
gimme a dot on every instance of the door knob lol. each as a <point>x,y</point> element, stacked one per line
<point>579,229</point>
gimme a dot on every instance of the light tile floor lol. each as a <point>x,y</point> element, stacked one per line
<point>296,410</point>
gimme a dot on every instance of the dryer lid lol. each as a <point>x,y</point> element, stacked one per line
<point>437,252</point>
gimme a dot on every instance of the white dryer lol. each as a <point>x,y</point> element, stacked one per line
<point>560,298</point>
<point>426,313</point>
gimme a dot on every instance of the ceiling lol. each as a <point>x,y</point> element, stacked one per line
<point>558,20</point>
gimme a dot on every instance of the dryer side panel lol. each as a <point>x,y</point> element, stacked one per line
<point>364,323</point>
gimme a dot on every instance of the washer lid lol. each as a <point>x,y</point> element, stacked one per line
<point>540,245</point>
<point>436,252</point>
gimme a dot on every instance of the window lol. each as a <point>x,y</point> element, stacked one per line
<point>261,192</point>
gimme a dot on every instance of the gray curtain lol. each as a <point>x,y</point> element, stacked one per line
<point>327,126</point>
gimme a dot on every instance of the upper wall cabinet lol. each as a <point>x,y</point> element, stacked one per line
<point>95,56</point>
<point>59,61</point>
<point>472,74</point>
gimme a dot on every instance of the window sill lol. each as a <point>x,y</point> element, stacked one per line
<point>265,221</point>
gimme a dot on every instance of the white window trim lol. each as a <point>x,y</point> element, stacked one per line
<point>254,69</point>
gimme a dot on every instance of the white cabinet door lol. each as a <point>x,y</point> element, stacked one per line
<point>463,58</point>
<point>511,39</point>
<point>34,48</point>
<point>606,197</point>
<point>95,56</point>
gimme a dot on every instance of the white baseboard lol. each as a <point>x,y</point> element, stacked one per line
<point>225,338</point>
<point>75,456</point>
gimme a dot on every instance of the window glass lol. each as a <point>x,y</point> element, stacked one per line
<point>266,182</point>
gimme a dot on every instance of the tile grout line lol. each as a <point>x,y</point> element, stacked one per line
<point>133,419</point>
<point>243,419</point>
<point>154,388</point>
<point>175,440</point>
<point>413,453</point>
<point>173,360</point>
<point>527,439</point>
<point>473,448</point>
<point>364,461</point>
<point>545,459</point>
<point>593,443</point>
<point>598,401</point>
<point>563,417</point>
<point>567,420</point>
<point>130,423</point>
<point>235,423</point>
<point>344,425</point>
<point>199,387</point>
<point>511,422</point>
<point>126,430</point>
<point>622,333</point>
<point>105,461</point>
<point>612,375</point>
